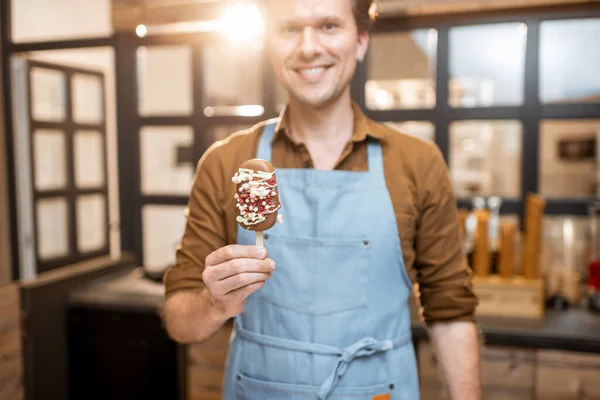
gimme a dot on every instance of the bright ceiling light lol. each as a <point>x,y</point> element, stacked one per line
<point>241,22</point>
<point>141,30</point>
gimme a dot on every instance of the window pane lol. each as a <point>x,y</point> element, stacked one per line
<point>401,70</point>
<point>91,223</point>
<point>88,107</point>
<point>89,159</point>
<point>163,228</point>
<point>50,166</point>
<point>167,160</point>
<point>485,158</point>
<point>52,228</point>
<point>567,158</point>
<point>570,61</point>
<point>487,65</point>
<point>35,20</point>
<point>165,80</point>
<point>48,95</point>
<point>232,76</point>
<point>421,129</point>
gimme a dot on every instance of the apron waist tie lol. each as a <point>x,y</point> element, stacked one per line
<point>364,347</point>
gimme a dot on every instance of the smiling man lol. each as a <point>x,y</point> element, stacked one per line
<point>323,311</point>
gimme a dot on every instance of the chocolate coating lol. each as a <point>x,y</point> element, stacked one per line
<point>271,219</point>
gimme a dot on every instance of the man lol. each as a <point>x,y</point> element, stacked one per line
<point>322,312</point>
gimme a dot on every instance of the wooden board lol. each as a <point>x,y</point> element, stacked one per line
<point>509,297</point>
<point>11,359</point>
<point>508,373</point>
<point>564,375</point>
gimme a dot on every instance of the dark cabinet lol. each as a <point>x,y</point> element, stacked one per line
<point>121,355</point>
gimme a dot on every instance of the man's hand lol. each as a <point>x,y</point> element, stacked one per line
<point>231,274</point>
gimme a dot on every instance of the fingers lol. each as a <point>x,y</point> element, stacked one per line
<point>242,294</point>
<point>240,266</point>
<point>239,281</point>
<point>235,251</point>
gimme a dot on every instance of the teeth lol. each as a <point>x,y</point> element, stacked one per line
<point>312,71</point>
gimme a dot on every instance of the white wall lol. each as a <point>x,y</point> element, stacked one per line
<point>36,20</point>
<point>100,59</point>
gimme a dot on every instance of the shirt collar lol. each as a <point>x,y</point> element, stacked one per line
<point>363,126</point>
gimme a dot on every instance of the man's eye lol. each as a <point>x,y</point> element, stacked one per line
<point>329,26</point>
<point>288,30</point>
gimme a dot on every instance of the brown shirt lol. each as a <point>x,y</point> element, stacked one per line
<point>418,182</point>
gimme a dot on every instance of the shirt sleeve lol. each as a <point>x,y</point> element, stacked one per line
<point>443,274</point>
<point>205,229</point>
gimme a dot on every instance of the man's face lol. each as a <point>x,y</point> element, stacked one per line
<point>314,47</point>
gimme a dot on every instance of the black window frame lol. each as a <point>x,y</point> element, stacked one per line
<point>131,201</point>
<point>530,114</point>
<point>71,192</point>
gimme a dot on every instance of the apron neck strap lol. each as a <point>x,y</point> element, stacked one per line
<point>264,145</point>
<point>375,156</point>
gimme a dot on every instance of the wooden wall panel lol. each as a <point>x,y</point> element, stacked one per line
<point>11,359</point>
<point>5,244</point>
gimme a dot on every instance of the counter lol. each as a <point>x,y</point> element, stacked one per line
<point>574,330</point>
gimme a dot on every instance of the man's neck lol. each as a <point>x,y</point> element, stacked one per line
<point>332,123</point>
<point>325,131</point>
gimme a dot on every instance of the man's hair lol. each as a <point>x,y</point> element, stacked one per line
<point>365,12</point>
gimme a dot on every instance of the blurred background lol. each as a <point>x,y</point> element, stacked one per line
<point>108,105</point>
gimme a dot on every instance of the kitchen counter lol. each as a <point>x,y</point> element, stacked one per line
<point>575,329</point>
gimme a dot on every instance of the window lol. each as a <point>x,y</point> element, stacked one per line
<point>232,78</point>
<point>568,158</point>
<point>485,158</point>
<point>167,163</point>
<point>165,80</point>
<point>50,154</point>
<point>401,70</point>
<point>163,226</point>
<point>48,103</point>
<point>91,223</point>
<point>52,230</point>
<point>487,65</point>
<point>66,123</point>
<point>570,61</point>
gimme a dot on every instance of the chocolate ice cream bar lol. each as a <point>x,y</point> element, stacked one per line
<point>257,196</point>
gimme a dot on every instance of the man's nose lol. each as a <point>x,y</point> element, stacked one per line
<point>309,43</point>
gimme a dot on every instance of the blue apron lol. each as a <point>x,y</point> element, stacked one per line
<point>333,322</point>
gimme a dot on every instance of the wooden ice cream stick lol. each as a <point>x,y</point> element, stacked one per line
<point>259,239</point>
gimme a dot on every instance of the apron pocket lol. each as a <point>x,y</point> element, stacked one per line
<point>252,389</point>
<point>316,276</point>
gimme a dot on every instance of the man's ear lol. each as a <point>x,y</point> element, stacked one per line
<point>363,45</point>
